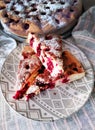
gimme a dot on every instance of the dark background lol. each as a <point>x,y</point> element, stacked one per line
<point>88,3</point>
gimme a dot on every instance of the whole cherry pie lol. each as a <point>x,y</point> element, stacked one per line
<point>39,16</point>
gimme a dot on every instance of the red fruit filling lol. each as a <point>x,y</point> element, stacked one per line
<point>30,96</point>
<point>47,49</point>
<point>26,26</point>
<point>65,79</point>
<point>31,41</point>
<point>27,67</point>
<point>41,70</point>
<point>43,60</point>
<point>25,55</point>
<point>39,49</point>
<point>50,65</point>
<point>48,37</point>
<point>51,85</point>
<point>20,93</point>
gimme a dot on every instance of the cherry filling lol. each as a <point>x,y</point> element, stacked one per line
<point>26,55</point>
<point>43,86</point>
<point>41,70</point>
<point>26,26</point>
<point>50,65</point>
<point>39,49</point>
<point>43,60</point>
<point>31,41</point>
<point>47,49</point>
<point>65,79</point>
<point>20,93</point>
<point>30,96</point>
<point>27,67</point>
<point>48,37</point>
<point>51,85</point>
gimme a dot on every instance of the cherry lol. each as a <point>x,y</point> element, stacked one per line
<point>31,41</point>
<point>39,50</point>
<point>50,65</point>
<point>48,37</point>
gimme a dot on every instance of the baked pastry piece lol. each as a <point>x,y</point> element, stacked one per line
<point>42,79</point>
<point>49,50</point>
<point>28,69</point>
<point>41,16</point>
<point>73,70</point>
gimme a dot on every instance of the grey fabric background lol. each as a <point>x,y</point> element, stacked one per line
<point>84,119</point>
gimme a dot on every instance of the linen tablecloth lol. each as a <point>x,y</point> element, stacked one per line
<point>83,36</point>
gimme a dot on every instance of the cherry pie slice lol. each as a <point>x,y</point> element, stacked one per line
<point>36,79</point>
<point>28,69</point>
<point>73,70</point>
<point>49,50</point>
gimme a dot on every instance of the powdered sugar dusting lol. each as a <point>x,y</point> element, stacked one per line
<point>50,52</point>
<point>42,9</point>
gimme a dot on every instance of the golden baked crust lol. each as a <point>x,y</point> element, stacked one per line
<point>39,16</point>
<point>73,69</point>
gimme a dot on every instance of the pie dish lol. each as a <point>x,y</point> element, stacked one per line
<point>22,17</point>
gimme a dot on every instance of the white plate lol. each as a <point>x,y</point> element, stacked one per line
<point>51,104</point>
